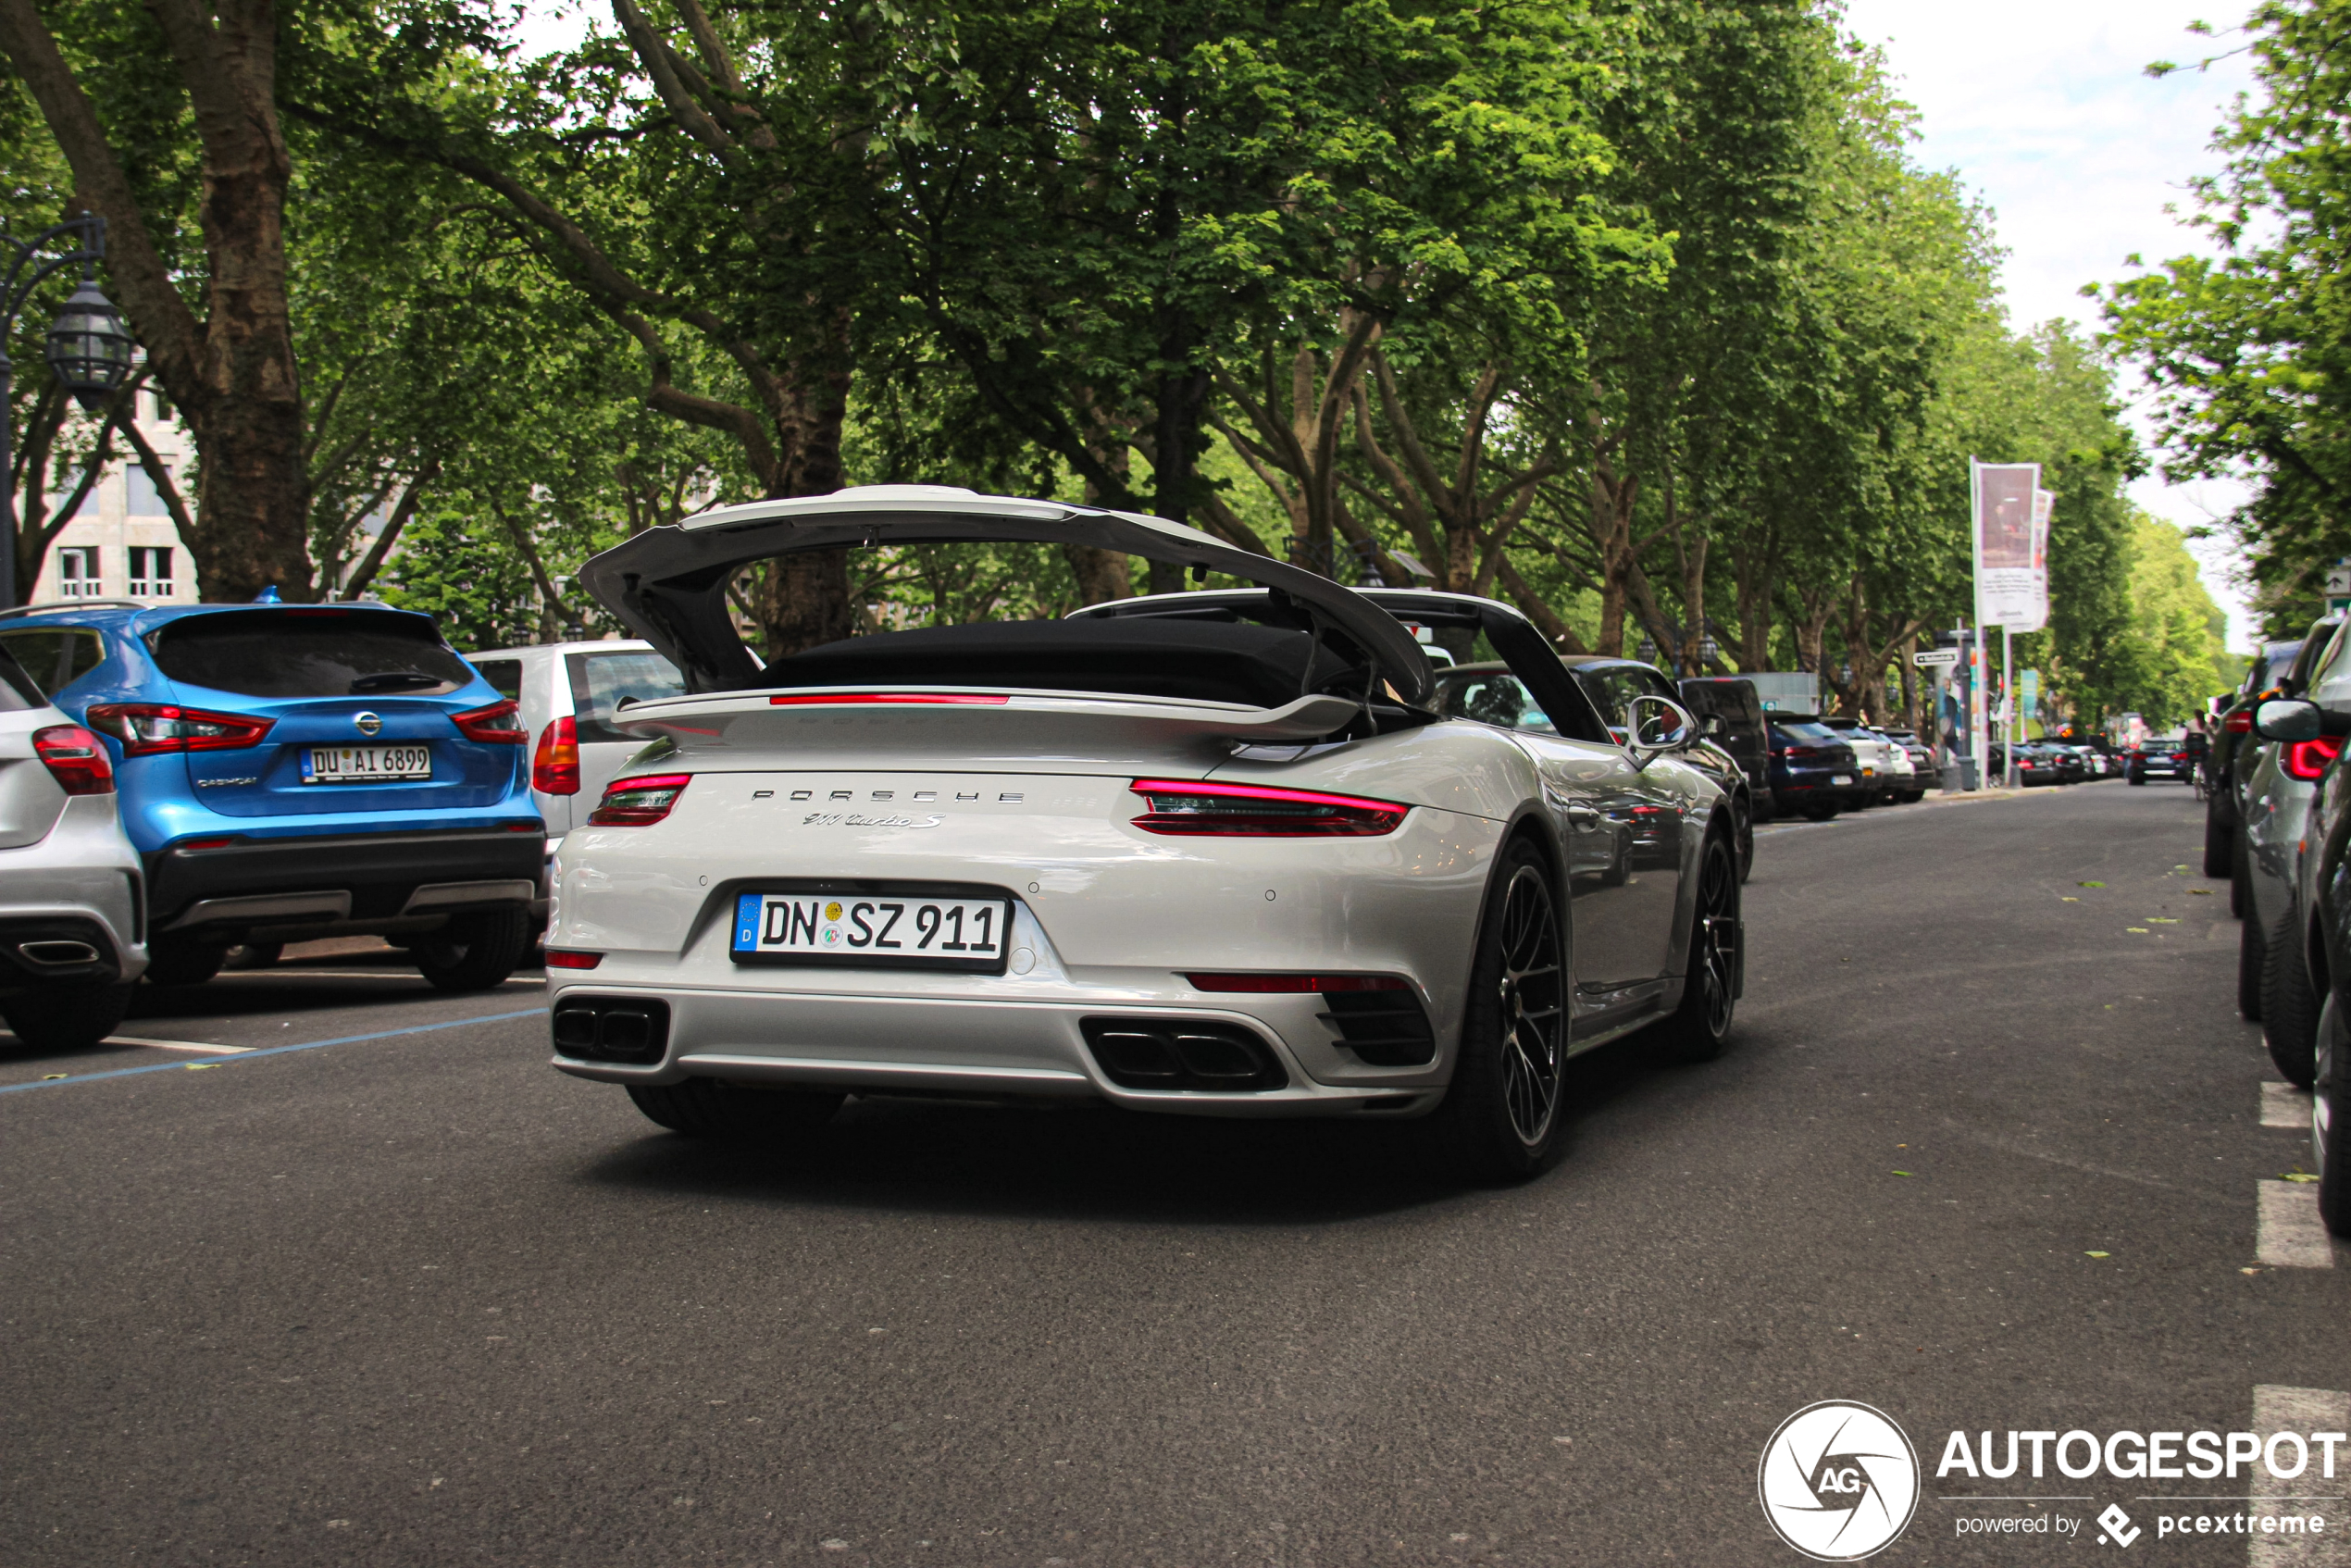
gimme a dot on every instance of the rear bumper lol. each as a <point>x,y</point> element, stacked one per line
<point>380,881</point>
<point>1026,1049</point>
<point>80,885</point>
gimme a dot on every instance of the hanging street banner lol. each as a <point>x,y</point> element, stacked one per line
<point>2028,695</point>
<point>2011,578</point>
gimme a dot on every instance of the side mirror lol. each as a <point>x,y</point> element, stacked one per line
<point>1655,726</point>
<point>2288,719</point>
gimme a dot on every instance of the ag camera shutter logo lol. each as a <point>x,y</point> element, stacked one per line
<point>1839,1481</point>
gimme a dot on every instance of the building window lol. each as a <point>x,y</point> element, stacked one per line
<point>150,571</point>
<point>78,573</point>
<point>143,500</point>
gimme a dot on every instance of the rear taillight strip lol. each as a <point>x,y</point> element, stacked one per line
<point>1195,807</point>
<point>857,699</point>
<point>499,724</point>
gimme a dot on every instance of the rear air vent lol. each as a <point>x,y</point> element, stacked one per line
<point>1386,1029</point>
<point>1182,1054</point>
<point>612,1029</point>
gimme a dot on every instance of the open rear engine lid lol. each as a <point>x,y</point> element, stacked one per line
<point>668,584</point>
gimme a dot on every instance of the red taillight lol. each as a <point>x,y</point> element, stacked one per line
<point>1194,806</point>
<point>640,801</point>
<point>148,728</point>
<point>2239,722</point>
<point>2307,760</point>
<point>554,770</point>
<point>75,759</point>
<point>1263,985</point>
<point>1797,751</point>
<point>499,723</point>
<point>558,959</point>
<point>836,698</point>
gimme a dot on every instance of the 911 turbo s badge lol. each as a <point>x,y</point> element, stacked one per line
<point>851,819</point>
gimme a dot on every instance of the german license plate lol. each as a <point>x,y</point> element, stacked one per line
<point>873,931</point>
<point>364,765</point>
<point>1842,778</point>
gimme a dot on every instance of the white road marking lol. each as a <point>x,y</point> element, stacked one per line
<point>2291,1234</point>
<point>177,1045</point>
<point>2277,1408</point>
<point>2283,1105</point>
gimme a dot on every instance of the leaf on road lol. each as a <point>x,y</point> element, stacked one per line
<point>2136,931</point>
<point>202,1066</point>
<point>2067,898</point>
<point>1901,1172</point>
<point>54,1078</point>
<point>2089,884</point>
<point>2297,1175</point>
<point>2158,920</point>
<point>2200,892</point>
<point>2097,1255</point>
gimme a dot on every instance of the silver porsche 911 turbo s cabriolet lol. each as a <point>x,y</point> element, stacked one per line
<point>1221,853</point>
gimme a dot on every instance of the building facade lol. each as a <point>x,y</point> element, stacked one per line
<point>121,544</point>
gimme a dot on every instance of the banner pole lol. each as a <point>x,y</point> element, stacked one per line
<point>1978,751</point>
<point>2008,705</point>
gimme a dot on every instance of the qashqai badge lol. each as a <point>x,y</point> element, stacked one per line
<point>366,724</point>
<point>1839,1481</point>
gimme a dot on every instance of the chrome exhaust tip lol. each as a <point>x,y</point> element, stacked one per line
<point>57,955</point>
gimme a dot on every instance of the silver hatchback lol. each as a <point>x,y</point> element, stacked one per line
<point>2274,980</point>
<point>72,898</point>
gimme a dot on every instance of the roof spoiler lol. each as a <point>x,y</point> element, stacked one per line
<point>668,584</point>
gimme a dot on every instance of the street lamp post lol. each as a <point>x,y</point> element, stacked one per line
<point>88,349</point>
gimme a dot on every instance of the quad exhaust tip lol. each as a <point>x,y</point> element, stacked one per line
<point>59,954</point>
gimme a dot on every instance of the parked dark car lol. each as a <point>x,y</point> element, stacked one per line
<point>2279,670</point>
<point>2158,759</point>
<point>2034,765</point>
<point>1812,771</point>
<point>1920,753</point>
<point>2317,931</point>
<point>1730,700</point>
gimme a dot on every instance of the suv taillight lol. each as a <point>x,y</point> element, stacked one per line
<point>1197,807</point>
<point>74,759</point>
<point>640,801</point>
<point>500,722</point>
<point>148,728</point>
<point>554,766</point>
<point>2239,722</point>
<point>2307,760</point>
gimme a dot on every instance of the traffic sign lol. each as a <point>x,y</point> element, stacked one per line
<point>2339,579</point>
<point>1928,656</point>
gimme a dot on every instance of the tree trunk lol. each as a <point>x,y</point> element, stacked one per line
<point>233,376</point>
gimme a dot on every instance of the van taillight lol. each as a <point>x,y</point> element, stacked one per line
<point>2307,760</point>
<point>554,768</point>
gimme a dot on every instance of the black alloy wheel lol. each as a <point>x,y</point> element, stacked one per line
<point>2218,842</point>
<point>474,952</point>
<point>1500,1121</point>
<point>1743,818</point>
<point>2252,956</point>
<point>171,963</point>
<point>2330,1113</point>
<point>2241,884</point>
<point>2289,1006</point>
<point>1700,1027</point>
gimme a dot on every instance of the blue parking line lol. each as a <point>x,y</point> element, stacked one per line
<point>270,1051</point>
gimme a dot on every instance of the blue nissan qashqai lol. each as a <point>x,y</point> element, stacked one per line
<point>288,772</point>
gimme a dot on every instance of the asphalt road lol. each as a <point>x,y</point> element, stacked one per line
<point>1985,1155</point>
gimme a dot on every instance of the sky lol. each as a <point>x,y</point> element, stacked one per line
<point>2044,109</point>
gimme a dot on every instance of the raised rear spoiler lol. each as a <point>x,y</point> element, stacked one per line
<point>668,584</point>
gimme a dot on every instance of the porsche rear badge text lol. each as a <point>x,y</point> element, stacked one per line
<point>851,819</point>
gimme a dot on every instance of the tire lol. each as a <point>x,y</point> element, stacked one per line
<point>2329,1113</point>
<point>2218,843</point>
<point>1699,1028</point>
<point>69,1018</point>
<point>2135,779</point>
<point>2252,955</point>
<point>1500,1121</point>
<point>2241,885</point>
<point>1913,797</point>
<point>475,952</point>
<point>254,955</point>
<point>185,964</point>
<point>1822,813</point>
<point>707,1108</point>
<point>2289,1008</point>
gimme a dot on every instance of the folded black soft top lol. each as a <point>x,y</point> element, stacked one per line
<point>1211,661</point>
